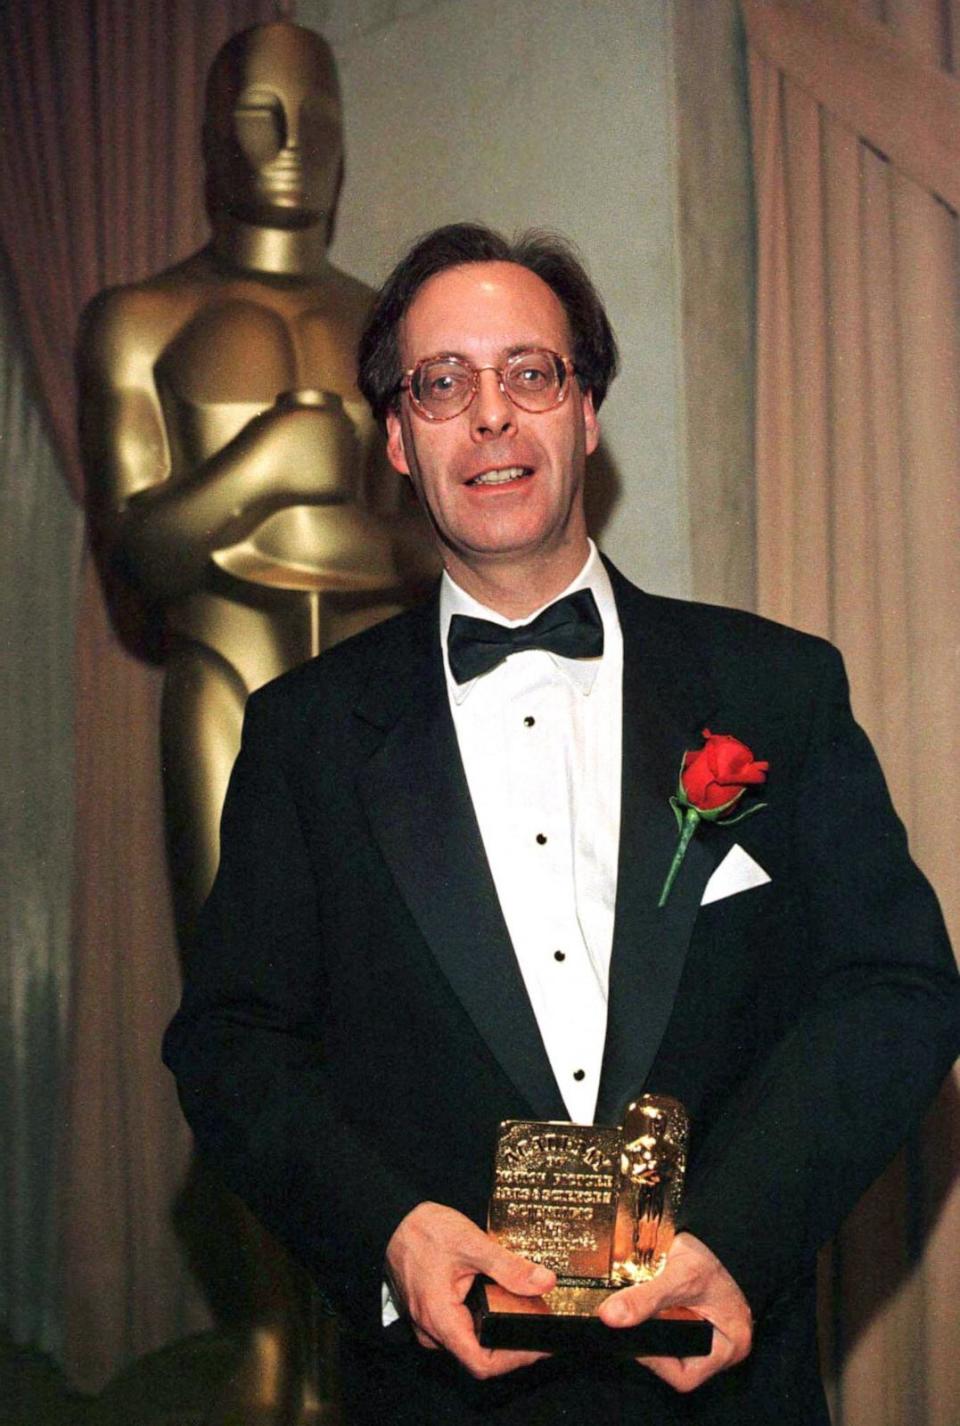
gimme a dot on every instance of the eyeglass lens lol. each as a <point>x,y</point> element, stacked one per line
<point>533,380</point>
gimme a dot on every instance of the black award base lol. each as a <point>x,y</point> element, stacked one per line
<point>565,1320</point>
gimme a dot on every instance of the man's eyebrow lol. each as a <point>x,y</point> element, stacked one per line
<point>505,352</point>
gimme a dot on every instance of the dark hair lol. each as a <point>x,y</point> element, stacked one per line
<point>550,256</point>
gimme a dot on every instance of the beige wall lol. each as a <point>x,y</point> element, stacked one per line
<point>715,234</point>
<point>614,121</point>
<point>556,115</point>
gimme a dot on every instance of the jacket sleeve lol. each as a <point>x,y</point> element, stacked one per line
<point>814,1123</point>
<point>247,1053</point>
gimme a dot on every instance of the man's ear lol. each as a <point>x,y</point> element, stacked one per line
<point>591,425</point>
<point>395,448</point>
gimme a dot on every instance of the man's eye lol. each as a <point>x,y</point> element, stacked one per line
<point>533,376</point>
<point>443,384</point>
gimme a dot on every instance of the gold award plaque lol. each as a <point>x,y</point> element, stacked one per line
<point>599,1206</point>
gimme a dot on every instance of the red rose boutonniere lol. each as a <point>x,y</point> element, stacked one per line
<point>712,781</point>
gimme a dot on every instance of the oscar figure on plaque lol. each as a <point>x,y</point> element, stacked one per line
<point>599,1206</point>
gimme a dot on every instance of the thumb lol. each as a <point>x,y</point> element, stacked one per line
<point>628,1305</point>
<point>517,1274</point>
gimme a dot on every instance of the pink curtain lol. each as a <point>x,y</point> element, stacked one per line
<point>100,108</point>
<point>100,184</point>
<point>856,124</point>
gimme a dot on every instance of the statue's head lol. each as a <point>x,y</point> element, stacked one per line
<point>273,137</point>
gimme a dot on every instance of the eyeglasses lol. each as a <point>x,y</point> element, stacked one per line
<point>442,387</point>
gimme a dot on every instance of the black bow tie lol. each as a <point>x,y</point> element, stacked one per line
<point>571,627</point>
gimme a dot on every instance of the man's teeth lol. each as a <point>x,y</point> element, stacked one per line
<point>498,477</point>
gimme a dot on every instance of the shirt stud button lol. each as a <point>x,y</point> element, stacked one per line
<point>579,1075</point>
<point>559,955</point>
<point>541,839</point>
<point>528,722</point>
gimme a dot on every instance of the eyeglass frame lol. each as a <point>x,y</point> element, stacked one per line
<point>405,383</point>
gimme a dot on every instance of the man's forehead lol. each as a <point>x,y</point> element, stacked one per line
<point>495,305</point>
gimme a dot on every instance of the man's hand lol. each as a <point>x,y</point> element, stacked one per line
<point>692,1277</point>
<point>433,1257</point>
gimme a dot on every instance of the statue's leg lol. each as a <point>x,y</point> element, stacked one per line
<point>202,715</point>
<point>252,1283</point>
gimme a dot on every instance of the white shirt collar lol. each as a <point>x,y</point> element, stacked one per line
<point>581,673</point>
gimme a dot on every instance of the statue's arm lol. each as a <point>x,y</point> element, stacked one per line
<point>390,495</point>
<point>161,516</point>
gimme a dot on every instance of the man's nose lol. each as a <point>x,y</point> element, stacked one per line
<point>492,414</point>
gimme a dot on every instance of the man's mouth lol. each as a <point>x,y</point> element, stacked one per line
<point>501,477</point>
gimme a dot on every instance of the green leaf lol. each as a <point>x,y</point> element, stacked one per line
<point>748,812</point>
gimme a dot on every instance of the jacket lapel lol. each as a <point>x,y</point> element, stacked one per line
<point>415,795</point>
<point>666,704</point>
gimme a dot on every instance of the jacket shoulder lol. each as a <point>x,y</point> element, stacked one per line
<point>751,659</point>
<point>716,633</point>
<point>739,629</point>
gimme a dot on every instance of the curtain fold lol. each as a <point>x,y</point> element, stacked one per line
<point>101,183</point>
<point>895,96</point>
<point>858,496</point>
<point>40,541</point>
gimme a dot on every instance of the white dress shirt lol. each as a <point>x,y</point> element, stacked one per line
<point>540,740</point>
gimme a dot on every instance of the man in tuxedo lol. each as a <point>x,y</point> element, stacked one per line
<point>438,906</point>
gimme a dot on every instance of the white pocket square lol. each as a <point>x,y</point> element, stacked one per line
<point>737,872</point>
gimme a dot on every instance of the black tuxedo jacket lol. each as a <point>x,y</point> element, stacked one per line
<point>354,1024</point>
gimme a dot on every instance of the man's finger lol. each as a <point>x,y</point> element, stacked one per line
<point>683,1374</point>
<point>454,1330</point>
<point>514,1273</point>
<point>687,1373</point>
<point>425,1339</point>
<point>630,1305</point>
<point>676,1285</point>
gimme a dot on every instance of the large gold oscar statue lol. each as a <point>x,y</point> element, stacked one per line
<point>238,480</point>
<point>235,471</point>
